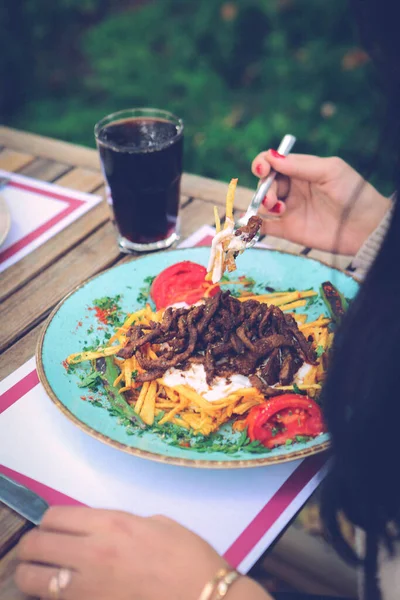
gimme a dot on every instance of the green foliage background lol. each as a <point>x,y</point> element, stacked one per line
<point>241,74</point>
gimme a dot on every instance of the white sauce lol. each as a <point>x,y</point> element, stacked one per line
<point>195,377</point>
<point>215,262</point>
<point>301,373</point>
<point>179,305</point>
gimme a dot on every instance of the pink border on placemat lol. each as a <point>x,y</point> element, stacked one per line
<point>246,541</point>
<point>51,496</point>
<point>19,389</point>
<point>73,204</point>
<point>267,516</point>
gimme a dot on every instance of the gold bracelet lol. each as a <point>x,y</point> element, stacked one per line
<point>225,583</point>
<point>218,587</point>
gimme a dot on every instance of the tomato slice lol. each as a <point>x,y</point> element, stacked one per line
<point>283,418</point>
<point>182,282</point>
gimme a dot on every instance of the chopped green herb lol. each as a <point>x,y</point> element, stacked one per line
<point>144,292</point>
<point>107,303</point>
<point>319,351</point>
<point>302,439</point>
<point>288,442</point>
<point>96,403</point>
<point>297,390</point>
<point>90,381</point>
<point>312,301</point>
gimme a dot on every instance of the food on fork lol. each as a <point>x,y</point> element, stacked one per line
<point>228,243</point>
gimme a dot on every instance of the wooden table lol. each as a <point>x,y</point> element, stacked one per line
<point>30,289</point>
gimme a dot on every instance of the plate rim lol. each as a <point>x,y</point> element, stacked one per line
<point>146,454</point>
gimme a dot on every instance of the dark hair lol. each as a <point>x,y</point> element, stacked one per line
<point>362,393</point>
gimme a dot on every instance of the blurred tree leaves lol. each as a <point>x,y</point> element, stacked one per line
<point>241,73</point>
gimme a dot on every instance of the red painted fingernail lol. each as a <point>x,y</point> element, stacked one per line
<point>277,209</point>
<point>265,201</point>
<point>258,169</point>
<point>276,154</point>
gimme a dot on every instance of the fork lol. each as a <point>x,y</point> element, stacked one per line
<point>284,149</point>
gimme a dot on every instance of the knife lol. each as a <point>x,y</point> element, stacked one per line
<point>26,503</point>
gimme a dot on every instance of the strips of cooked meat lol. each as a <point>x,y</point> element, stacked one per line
<point>249,231</point>
<point>227,336</point>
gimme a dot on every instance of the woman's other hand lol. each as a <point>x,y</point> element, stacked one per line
<point>112,554</point>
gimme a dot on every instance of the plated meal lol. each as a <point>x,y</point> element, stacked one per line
<point>161,361</point>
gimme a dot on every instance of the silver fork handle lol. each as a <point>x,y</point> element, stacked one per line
<point>284,148</point>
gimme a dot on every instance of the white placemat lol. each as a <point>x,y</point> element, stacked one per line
<point>38,211</point>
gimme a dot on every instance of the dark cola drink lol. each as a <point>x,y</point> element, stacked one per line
<point>141,156</point>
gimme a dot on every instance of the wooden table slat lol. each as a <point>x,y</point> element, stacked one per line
<point>84,180</point>
<point>20,352</point>
<point>13,161</point>
<point>12,527</point>
<point>45,147</point>
<point>45,169</point>
<point>196,214</point>
<point>211,190</point>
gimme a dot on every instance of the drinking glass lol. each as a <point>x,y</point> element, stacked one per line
<point>141,158</point>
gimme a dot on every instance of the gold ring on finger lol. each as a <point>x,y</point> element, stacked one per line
<point>59,582</point>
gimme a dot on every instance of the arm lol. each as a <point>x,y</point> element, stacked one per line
<point>369,250</point>
<point>247,589</point>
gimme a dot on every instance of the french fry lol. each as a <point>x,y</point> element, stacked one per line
<point>194,397</point>
<point>320,322</point>
<point>169,416</point>
<point>162,404</point>
<point>128,373</point>
<point>239,425</point>
<point>299,318</point>
<point>124,328</point>
<point>217,220</point>
<point>292,305</point>
<point>180,423</point>
<point>78,357</point>
<point>142,396</point>
<point>147,411</point>
<point>151,354</point>
<point>230,263</point>
<point>245,406</point>
<point>118,379</point>
<point>230,197</point>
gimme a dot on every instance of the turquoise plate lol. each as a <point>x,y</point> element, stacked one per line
<point>69,326</point>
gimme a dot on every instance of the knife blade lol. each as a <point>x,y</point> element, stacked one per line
<point>25,502</point>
